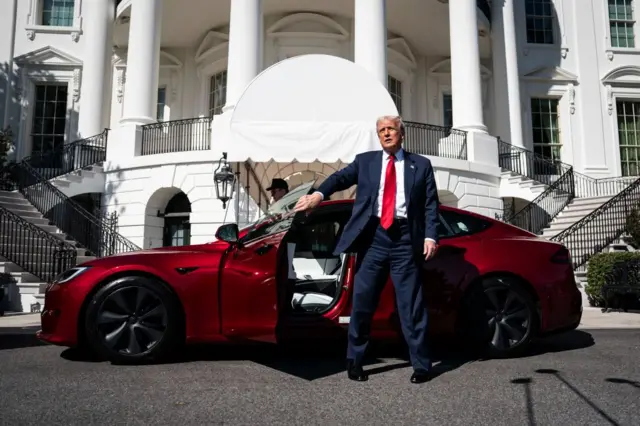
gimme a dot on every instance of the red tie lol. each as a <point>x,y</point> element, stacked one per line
<point>389,194</point>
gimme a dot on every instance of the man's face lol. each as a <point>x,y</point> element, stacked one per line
<point>277,193</point>
<point>389,135</point>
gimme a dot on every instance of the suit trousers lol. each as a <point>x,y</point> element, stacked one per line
<point>384,253</point>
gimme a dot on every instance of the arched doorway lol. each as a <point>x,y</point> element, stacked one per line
<point>177,228</point>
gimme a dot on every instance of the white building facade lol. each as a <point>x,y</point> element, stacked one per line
<point>560,78</point>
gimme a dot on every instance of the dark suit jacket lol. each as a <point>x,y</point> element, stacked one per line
<point>420,192</point>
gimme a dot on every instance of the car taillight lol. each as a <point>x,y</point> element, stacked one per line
<point>561,256</point>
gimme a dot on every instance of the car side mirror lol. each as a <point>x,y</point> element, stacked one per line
<point>228,233</point>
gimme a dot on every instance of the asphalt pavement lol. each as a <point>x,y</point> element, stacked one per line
<point>584,377</point>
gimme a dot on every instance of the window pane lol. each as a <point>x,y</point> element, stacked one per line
<point>628,116</point>
<point>58,12</point>
<point>540,19</point>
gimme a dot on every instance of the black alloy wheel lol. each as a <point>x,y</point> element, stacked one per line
<point>133,319</point>
<point>503,319</point>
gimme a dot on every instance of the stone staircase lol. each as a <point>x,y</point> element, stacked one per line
<point>28,288</point>
<point>518,186</point>
<point>574,212</point>
<point>86,180</point>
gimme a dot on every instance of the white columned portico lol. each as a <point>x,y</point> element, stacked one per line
<point>370,37</point>
<point>143,63</point>
<point>466,83</point>
<point>245,48</point>
<point>94,95</point>
<point>512,71</point>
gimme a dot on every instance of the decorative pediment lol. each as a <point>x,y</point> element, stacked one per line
<point>625,75</point>
<point>212,43</point>
<point>167,60</point>
<point>443,68</point>
<point>48,56</point>
<point>555,74</point>
<point>308,24</point>
<point>399,45</point>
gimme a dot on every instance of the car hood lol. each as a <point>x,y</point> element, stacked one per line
<point>158,255</point>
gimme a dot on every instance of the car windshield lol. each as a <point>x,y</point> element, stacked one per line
<point>279,215</point>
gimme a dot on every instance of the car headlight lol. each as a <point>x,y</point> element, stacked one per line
<point>70,274</point>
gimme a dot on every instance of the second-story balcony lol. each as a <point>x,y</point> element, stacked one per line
<point>195,134</point>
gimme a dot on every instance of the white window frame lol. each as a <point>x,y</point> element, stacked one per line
<point>559,30</point>
<point>33,25</point>
<point>67,70</point>
<point>206,73</point>
<point>612,51</point>
<point>563,95</point>
<point>622,83</point>
<point>618,157</point>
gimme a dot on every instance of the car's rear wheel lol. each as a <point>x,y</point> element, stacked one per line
<point>133,319</point>
<point>500,317</point>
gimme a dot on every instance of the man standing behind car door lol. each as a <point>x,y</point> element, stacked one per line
<point>393,230</point>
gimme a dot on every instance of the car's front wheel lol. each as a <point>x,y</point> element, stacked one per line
<point>133,319</point>
<point>500,317</point>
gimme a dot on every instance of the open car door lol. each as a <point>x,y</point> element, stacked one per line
<point>253,270</point>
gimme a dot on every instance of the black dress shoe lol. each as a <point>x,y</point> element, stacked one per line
<point>421,376</point>
<point>355,372</point>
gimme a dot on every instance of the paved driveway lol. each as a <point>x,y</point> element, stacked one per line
<point>582,377</point>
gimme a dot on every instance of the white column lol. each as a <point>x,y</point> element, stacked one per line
<point>370,37</point>
<point>466,85</point>
<point>143,62</point>
<point>513,73</point>
<point>98,16</point>
<point>245,48</point>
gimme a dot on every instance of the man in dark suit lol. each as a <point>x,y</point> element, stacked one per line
<point>393,230</point>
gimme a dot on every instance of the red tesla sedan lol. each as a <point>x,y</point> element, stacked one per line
<point>491,284</point>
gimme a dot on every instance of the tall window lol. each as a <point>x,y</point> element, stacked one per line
<point>621,23</point>
<point>217,93</point>
<point>57,13</point>
<point>540,18</point>
<point>629,136</point>
<point>49,118</point>
<point>162,102</point>
<point>447,110</point>
<point>395,90</point>
<point>546,130</point>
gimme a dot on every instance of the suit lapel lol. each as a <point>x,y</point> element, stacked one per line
<point>409,177</point>
<point>376,171</point>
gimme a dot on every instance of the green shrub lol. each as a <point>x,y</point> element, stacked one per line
<point>600,266</point>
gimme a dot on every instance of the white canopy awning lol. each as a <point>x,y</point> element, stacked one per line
<point>305,109</point>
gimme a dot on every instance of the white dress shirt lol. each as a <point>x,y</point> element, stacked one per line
<point>401,203</point>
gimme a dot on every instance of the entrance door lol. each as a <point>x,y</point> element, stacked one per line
<point>253,270</point>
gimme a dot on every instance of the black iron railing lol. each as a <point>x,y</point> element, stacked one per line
<point>93,233</point>
<point>437,141</point>
<point>529,164</point>
<point>70,157</point>
<point>539,213</point>
<point>191,134</point>
<point>601,227</point>
<point>32,248</point>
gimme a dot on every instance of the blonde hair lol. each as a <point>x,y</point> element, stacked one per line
<point>396,118</point>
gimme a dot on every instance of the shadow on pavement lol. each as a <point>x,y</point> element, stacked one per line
<point>19,337</point>
<point>528,382</point>
<point>312,362</point>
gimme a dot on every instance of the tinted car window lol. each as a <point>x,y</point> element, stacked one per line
<point>460,224</point>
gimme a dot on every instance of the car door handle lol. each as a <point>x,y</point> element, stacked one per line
<point>264,249</point>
